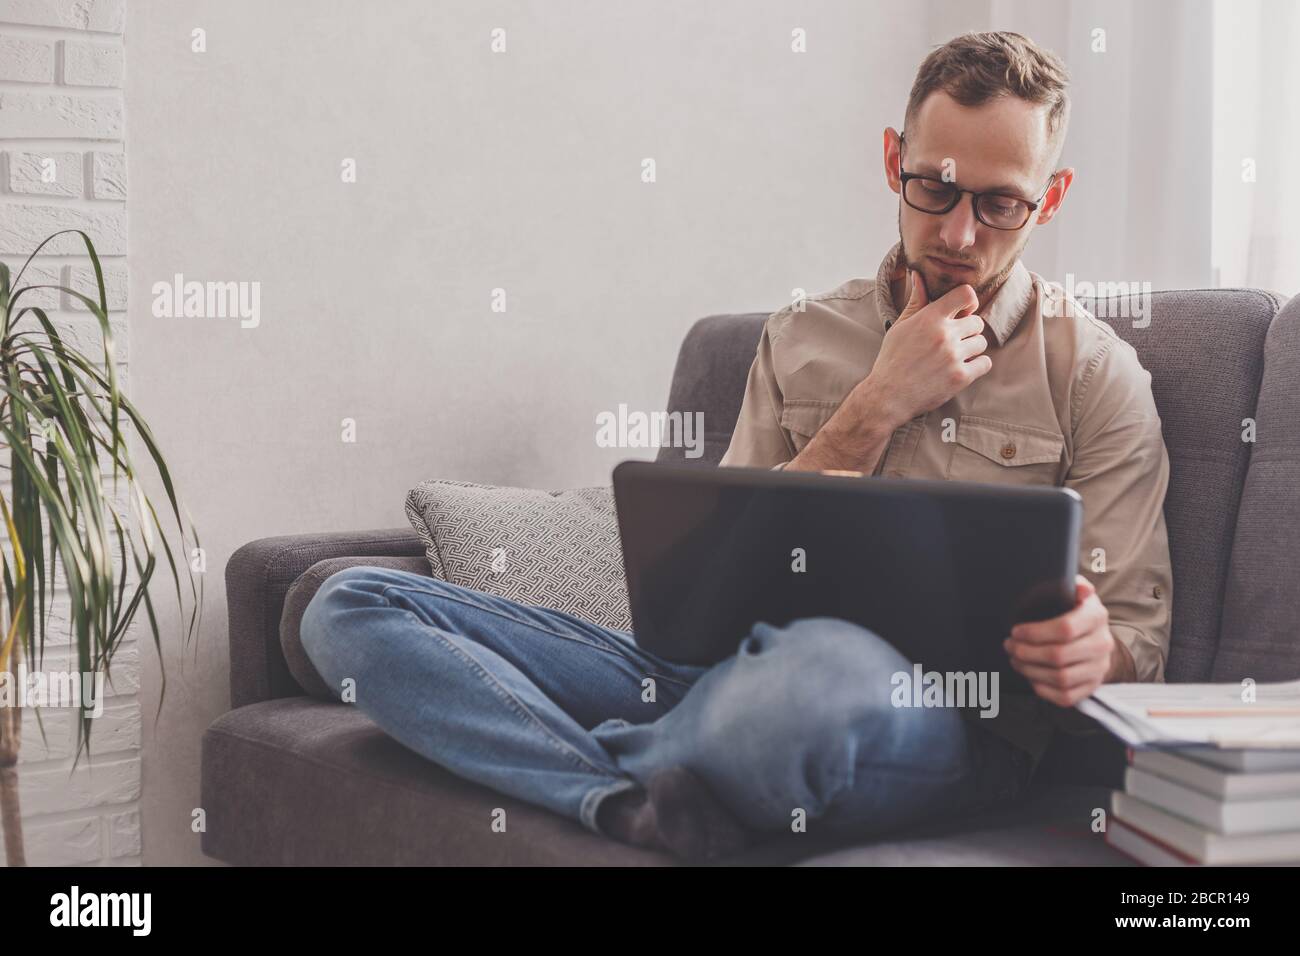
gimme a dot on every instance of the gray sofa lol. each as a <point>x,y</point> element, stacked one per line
<point>289,778</point>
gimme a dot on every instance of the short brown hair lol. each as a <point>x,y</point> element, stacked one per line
<point>977,67</point>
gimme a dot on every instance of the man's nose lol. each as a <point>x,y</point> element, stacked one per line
<point>958,228</point>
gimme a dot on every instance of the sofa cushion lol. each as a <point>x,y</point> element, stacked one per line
<point>712,367</point>
<point>297,781</point>
<point>1261,609</point>
<point>559,549</point>
<point>303,782</point>
<point>1204,349</point>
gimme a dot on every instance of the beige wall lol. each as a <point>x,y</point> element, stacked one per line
<point>474,171</point>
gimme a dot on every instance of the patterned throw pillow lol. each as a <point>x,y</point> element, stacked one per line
<point>557,549</point>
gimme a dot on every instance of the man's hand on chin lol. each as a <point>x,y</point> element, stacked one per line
<point>1068,657</point>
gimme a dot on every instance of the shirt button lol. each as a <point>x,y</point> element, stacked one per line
<point>1008,450</point>
<point>1157,591</point>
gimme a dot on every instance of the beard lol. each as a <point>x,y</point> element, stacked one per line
<point>939,285</point>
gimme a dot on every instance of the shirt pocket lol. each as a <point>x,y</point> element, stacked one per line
<point>989,450</point>
<point>804,417</point>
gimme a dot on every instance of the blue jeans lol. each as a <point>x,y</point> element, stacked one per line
<point>542,706</point>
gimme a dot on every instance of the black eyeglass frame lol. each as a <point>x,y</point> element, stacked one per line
<point>905,178</point>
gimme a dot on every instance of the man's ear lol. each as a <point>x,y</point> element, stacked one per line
<point>893,151</point>
<point>1055,195</point>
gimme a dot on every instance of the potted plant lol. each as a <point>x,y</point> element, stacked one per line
<point>63,424</point>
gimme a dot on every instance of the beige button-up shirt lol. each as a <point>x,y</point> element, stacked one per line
<point>1066,403</point>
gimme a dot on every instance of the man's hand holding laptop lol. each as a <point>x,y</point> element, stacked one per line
<point>1068,657</point>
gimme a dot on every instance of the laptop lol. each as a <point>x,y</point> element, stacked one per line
<point>939,569</point>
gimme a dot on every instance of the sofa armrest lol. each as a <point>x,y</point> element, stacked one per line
<point>259,575</point>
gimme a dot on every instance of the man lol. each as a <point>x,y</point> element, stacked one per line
<point>954,362</point>
<point>958,363</point>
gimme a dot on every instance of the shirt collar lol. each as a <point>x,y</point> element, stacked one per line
<point>1002,315</point>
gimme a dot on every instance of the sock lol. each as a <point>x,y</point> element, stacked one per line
<point>627,816</point>
<point>675,812</point>
<point>689,819</point>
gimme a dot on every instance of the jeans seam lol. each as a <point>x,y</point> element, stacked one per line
<point>670,679</point>
<point>522,709</point>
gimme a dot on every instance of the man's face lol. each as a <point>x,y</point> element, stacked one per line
<point>1002,146</point>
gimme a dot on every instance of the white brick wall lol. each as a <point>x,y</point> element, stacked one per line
<point>92,64</point>
<point>63,165</point>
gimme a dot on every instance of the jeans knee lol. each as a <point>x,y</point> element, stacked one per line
<point>816,699</point>
<point>836,667</point>
<point>340,592</point>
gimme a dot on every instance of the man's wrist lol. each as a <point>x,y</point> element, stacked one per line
<point>874,407</point>
<point>862,427</point>
<point>854,437</point>
<point>838,448</point>
<point>859,442</point>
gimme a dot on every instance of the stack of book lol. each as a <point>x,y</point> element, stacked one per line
<point>1215,806</point>
<point>1213,775</point>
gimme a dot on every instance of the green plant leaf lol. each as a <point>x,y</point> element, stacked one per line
<point>60,411</point>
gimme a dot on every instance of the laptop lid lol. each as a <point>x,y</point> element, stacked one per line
<point>939,569</point>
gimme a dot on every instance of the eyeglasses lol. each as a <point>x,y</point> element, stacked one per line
<point>937,196</point>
